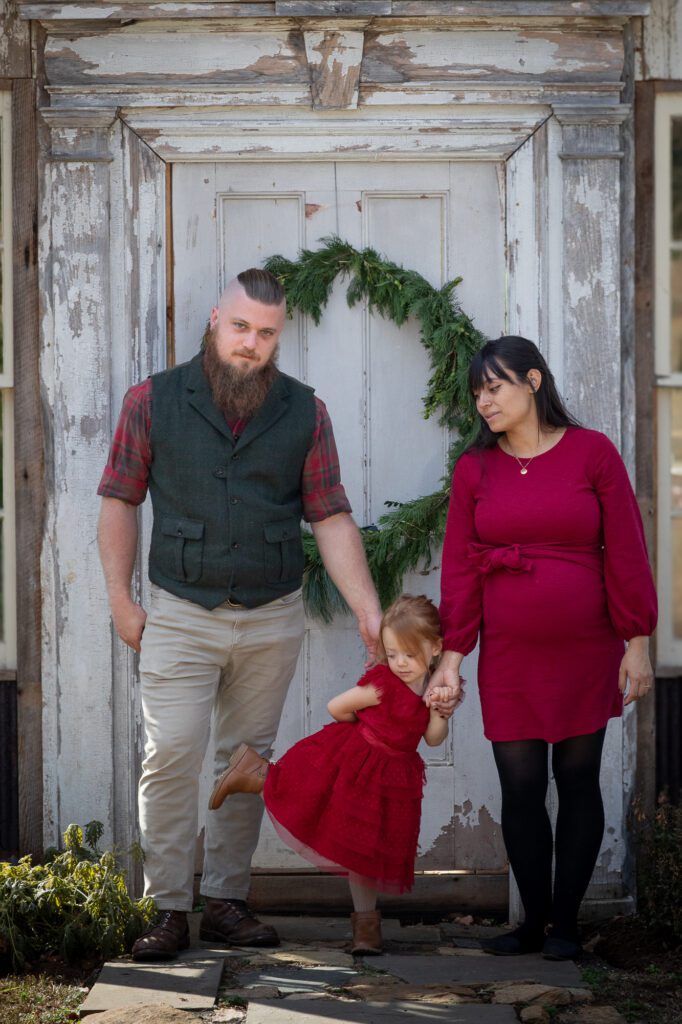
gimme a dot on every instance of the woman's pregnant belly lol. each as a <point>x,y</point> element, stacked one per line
<point>554,602</point>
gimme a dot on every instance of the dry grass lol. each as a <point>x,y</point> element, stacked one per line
<point>39,999</point>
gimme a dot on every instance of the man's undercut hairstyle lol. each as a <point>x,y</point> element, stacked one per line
<point>262,286</point>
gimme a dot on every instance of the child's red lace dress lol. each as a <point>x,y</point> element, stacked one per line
<point>348,798</point>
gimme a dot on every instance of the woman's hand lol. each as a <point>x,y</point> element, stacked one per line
<point>446,677</point>
<point>636,676</point>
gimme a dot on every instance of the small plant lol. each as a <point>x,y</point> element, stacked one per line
<point>75,906</point>
<point>659,842</point>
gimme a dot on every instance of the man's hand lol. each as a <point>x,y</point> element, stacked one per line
<point>368,627</point>
<point>129,619</point>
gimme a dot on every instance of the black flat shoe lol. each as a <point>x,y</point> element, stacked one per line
<point>514,943</point>
<point>555,948</point>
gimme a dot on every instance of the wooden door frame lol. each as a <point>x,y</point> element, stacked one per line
<point>29,449</point>
<point>551,135</point>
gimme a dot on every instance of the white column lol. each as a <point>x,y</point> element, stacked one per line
<point>75,372</point>
<point>591,274</point>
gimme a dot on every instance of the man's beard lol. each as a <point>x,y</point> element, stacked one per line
<point>237,394</point>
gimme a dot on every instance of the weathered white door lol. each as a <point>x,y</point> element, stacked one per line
<point>443,219</point>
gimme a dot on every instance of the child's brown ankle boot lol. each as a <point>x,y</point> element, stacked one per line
<point>366,932</point>
<point>245,773</point>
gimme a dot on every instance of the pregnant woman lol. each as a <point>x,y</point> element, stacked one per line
<point>545,561</point>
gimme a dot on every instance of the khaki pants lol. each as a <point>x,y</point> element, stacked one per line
<point>235,664</point>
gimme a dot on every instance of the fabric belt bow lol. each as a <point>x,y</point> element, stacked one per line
<point>489,558</point>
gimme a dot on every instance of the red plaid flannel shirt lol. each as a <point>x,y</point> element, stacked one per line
<point>127,470</point>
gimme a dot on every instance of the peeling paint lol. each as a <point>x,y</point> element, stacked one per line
<point>471,838</point>
<point>312,208</point>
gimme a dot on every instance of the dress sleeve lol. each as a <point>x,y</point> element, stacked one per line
<point>630,589</point>
<point>460,607</point>
<point>374,676</point>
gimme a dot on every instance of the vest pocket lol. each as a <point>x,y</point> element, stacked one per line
<point>283,551</point>
<point>183,547</point>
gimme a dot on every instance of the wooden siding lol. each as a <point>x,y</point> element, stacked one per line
<point>278,63</point>
<point>29,457</point>
<point>124,9</point>
<point>15,40</point>
<point>9,802</point>
<point>662,41</point>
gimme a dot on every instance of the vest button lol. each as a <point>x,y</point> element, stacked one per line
<point>234,458</point>
<point>235,546</point>
<point>220,471</point>
<point>234,501</point>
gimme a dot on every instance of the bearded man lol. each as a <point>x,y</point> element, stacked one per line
<point>233,453</point>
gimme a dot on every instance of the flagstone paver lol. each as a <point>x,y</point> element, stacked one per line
<point>185,985</point>
<point>144,1015</point>
<point>301,955</point>
<point>544,995</point>
<point>338,930</point>
<point>310,929</point>
<point>482,969</point>
<point>303,979</point>
<point>322,1011</point>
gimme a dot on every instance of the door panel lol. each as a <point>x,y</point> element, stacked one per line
<point>442,219</point>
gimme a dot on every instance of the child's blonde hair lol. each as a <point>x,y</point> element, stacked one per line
<point>414,620</point>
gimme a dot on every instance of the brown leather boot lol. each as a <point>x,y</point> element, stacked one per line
<point>232,922</point>
<point>245,773</point>
<point>164,940</point>
<point>366,932</point>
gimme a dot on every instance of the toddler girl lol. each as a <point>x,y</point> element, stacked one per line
<point>348,798</point>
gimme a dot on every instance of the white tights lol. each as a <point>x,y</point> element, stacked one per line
<point>364,898</point>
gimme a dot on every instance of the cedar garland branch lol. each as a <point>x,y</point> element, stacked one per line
<point>407,534</point>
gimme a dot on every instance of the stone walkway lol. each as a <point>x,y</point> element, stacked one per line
<point>429,972</point>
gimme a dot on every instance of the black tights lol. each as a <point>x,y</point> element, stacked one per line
<point>527,831</point>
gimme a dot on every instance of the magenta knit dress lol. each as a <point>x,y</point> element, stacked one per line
<point>551,570</point>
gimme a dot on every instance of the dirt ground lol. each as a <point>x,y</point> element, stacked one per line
<point>636,970</point>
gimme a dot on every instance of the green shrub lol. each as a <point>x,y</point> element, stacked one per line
<point>76,905</point>
<point>659,842</point>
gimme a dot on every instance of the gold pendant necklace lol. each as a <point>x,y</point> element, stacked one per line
<point>524,464</point>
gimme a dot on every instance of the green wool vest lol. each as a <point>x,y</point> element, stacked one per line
<point>227,513</point>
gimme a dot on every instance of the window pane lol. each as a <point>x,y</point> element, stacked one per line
<point>676,449</point>
<point>2,459</point>
<point>676,495</point>
<point>677,179</point>
<point>677,578</point>
<point>2,306</point>
<point>2,577</point>
<point>676,312</point>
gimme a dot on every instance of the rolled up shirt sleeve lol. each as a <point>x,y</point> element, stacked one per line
<point>322,492</point>
<point>126,473</point>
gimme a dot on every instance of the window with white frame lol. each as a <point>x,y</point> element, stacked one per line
<point>668,264</point>
<point>7,534</point>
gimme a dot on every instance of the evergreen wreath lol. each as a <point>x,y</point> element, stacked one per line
<point>406,535</point>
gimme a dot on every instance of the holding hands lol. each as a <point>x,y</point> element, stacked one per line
<point>445,691</point>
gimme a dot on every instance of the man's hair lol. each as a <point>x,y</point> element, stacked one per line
<point>262,286</point>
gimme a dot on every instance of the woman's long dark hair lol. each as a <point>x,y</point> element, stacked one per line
<point>511,358</point>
